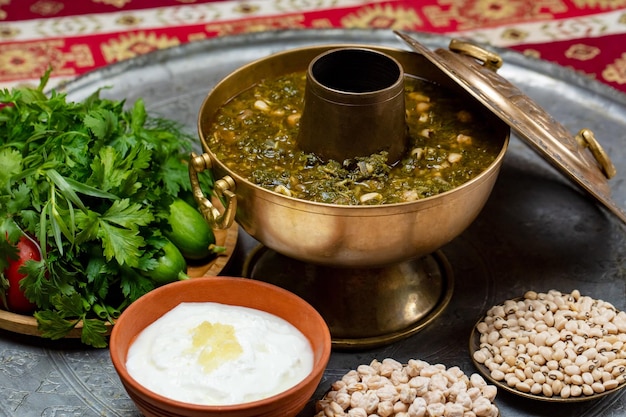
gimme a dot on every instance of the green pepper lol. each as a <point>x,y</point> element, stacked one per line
<point>171,266</point>
<point>190,232</point>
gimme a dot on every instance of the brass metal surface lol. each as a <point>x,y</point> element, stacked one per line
<point>363,307</point>
<point>474,68</point>
<point>354,105</point>
<point>340,235</point>
<point>224,189</point>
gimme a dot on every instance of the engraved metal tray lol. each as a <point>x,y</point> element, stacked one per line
<point>537,231</point>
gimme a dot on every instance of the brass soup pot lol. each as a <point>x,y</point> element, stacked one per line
<point>341,235</point>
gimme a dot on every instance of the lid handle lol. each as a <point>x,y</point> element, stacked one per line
<point>586,139</point>
<point>489,59</point>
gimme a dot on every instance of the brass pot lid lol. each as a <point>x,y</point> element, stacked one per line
<point>579,157</point>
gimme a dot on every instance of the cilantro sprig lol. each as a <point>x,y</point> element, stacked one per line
<point>92,182</point>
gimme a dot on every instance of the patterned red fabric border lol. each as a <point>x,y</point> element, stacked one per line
<point>78,36</point>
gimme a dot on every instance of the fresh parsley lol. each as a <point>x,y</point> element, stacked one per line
<point>91,181</point>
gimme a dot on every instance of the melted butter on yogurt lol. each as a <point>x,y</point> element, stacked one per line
<point>217,354</point>
<point>217,344</point>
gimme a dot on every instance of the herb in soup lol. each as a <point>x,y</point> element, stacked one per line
<point>255,135</point>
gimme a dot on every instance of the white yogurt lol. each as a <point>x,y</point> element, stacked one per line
<point>217,354</point>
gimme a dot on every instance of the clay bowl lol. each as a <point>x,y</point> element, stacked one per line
<point>226,290</point>
<point>348,236</point>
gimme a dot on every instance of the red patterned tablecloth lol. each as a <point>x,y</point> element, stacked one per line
<point>75,36</point>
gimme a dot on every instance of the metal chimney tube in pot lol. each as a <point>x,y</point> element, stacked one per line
<point>353,105</point>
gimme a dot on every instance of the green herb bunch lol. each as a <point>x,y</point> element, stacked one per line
<point>92,182</point>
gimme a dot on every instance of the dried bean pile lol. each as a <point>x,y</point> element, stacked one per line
<point>418,389</point>
<point>554,344</point>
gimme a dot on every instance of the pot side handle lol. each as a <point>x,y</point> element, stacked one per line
<point>223,188</point>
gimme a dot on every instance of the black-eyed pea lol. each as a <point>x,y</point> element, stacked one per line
<point>551,306</point>
<point>498,358</point>
<point>618,370</point>
<point>546,390</point>
<point>512,381</point>
<point>552,365</point>
<point>557,387</point>
<point>497,375</point>
<point>571,326</point>
<point>482,327</point>
<point>559,322</point>
<point>530,295</point>
<point>523,339</point>
<point>520,374</point>
<point>492,365</point>
<point>556,374</point>
<point>528,372</point>
<point>606,376</point>
<point>576,379</point>
<point>579,359</point>
<point>480,356</point>
<point>598,387</point>
<point>535,367</point>
<point>553,338</point>
<point>587,390</point>
<point>500,343</point>
<point>539,377</point>
<point>610,328</point>
<point>588,366</point>
<point>597,374</point>
<point>545,352</point>
<point>565,391</point>
<point>535,388</point>
<point>610,384</point>
<point>575,390</point>
<point>587,378</point>
<point>602,359</point>
<point>539,359</point>
<point>532,349</point>
<point>541,327</point>
<point>523,387</point>
<point>510,360</point>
